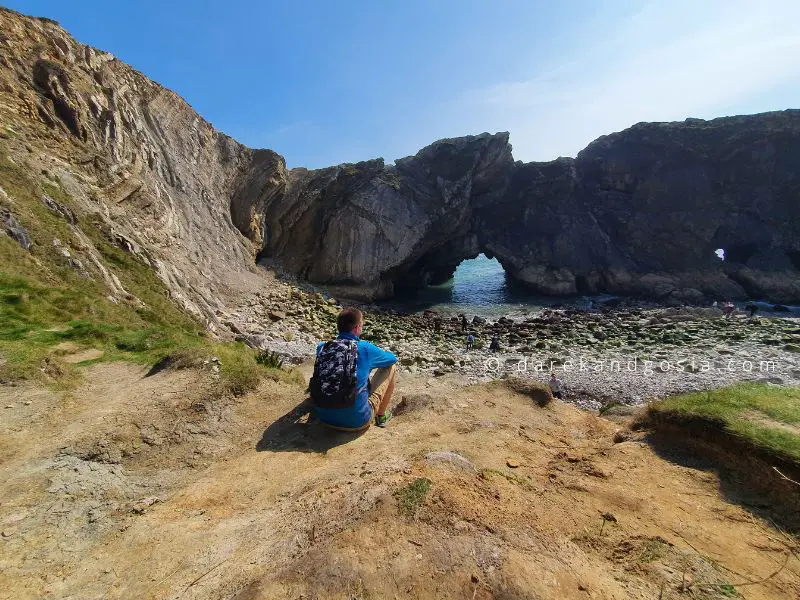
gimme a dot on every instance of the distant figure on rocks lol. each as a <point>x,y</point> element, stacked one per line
<point>555,386</point>
<point>470,341</point>
<point>728,309</point>
<point>752,309</point>
<point>494,346</point>
<point>464,323</point>
<point>437,324</point>
<point>344,396</point>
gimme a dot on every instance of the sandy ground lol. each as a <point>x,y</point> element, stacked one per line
<point>144,487</point>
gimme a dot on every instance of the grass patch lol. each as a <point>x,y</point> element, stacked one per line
<point>240,368</point>
<point>269,359</point>
<point>411,497</point>
<point>767,417</point>
<point>653,550</point>
<point>48,308</point>
<point>608,406</point>
<point>516,479</point>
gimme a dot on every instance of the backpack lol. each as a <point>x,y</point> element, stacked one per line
<point>334,383</point>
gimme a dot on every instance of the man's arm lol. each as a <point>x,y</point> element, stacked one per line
<point>379,358</point>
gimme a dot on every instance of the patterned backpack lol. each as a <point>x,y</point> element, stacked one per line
<point>334,383</point>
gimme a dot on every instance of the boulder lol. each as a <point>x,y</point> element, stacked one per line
<point>14,230</point>
<point>452,460</point>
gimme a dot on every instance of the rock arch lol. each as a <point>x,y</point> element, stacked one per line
<point>637,212</point>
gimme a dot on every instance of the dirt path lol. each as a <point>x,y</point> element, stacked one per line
<point>134,487</point>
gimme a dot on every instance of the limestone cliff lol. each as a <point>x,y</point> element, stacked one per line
<point>638,212</point>
<point>130,152</point>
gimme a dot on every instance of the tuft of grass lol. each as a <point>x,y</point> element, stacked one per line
<point>516,479</point>
<point>608,406</point>
<point>653,550</point>
<point>269,359</point>
<point>240,370</point>
<point>411,497</point>
<point>765,416</point>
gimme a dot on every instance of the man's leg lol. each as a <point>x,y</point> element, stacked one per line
<point>381,387</point>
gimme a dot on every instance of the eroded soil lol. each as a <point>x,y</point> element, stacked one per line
<point>148,487</point>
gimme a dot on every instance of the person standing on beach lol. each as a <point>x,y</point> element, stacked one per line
<point>728,309</point>
<point>470,341</point>
<point>494,346</point>
<point>437,324</point>
<point>556,386</point>
<point>464,323</point>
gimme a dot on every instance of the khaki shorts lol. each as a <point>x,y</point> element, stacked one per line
<point>377,386</point>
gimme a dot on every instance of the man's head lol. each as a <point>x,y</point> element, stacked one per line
<point>350,320</point>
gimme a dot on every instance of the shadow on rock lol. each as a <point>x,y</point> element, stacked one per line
<point>744,478</point>
<point>299,431</point>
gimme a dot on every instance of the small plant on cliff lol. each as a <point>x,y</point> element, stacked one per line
<point>391,178</point>
<point>269,359</point>
<point>350,170</point>
<point>411,497</point>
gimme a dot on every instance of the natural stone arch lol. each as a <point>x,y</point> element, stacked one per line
<point>636,213</point>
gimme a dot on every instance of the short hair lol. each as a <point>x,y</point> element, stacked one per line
<point>349,319</point>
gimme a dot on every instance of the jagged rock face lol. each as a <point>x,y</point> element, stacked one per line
<point>666,195</point>
<point>134,153</point>
<point>366,228</point>
<point>641,212</point>
<point>638,212</point>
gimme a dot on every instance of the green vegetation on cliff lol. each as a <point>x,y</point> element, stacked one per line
<point>55,303</point>
<point>766,417</point>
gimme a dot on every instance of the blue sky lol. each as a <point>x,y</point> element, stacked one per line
<point>326,82</point>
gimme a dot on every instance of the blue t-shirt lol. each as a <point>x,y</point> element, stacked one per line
<point>369,357</point>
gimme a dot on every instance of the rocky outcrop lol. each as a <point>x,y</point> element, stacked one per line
<point>133,154</point>
<point>367,228</point>
<point>639,212</point>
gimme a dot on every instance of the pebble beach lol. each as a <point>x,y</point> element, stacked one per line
<point>627,354</point>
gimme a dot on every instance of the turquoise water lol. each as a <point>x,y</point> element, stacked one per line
<point>480,286</point>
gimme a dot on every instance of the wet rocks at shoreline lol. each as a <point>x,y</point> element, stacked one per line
<point>593,352</point>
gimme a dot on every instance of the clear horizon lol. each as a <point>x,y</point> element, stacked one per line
<point>324,84</point>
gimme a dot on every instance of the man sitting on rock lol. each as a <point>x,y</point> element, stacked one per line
<point>345,397</point>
